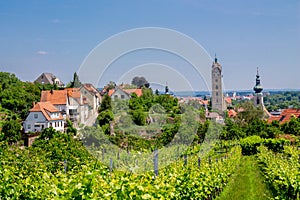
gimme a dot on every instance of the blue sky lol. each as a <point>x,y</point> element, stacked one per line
<point>56,36</point>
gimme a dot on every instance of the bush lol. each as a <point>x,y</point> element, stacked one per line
<point>249,144</point>
<point>276,145</point>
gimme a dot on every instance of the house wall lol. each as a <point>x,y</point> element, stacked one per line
<point>120,95</point>
<point>32,119</point>
<point>33,124</point>
<point>91,98</point>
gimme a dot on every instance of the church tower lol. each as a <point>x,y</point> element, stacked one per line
<point>258,97</point>
<point>217,98</point>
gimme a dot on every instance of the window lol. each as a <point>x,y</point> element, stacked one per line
<point>116,96</point>
<point>217,87</point>
<point>217,93</point>
<point>122,96</point>
<point>216,80</point>
<point>50,124</point>
<point>257,101</point>
<point>36,126</point>
<point>29,126</point>
<point>35,116</point>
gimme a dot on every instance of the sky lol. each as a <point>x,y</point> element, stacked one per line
<point>57,36</point>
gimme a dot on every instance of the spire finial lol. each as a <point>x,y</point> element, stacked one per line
<point>257,74</point>
<point>216,60</point>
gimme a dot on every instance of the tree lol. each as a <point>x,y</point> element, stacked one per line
<point>75,83</point>
<point>140,82</point>
<point>70,128</point>
<point>11,130</point>
<point>106,103</point>
<point>249,113</point>
<point>105,117</point>
<point>139,117</point>
<point>49,133</point>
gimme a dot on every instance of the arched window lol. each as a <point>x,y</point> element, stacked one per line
<point>217,87</point>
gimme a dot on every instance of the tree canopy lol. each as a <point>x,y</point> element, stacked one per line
<point>140,82</point>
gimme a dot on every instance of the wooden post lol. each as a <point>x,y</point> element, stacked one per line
<point>155,161</point>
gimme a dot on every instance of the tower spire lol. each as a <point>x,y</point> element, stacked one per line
<point>257,88</point>
<point>216,60</point>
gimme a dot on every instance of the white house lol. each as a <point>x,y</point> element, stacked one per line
<point>70,102</point>
<point>43,115</point>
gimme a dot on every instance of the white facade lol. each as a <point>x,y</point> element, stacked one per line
<point>36,122</point>
<point>119,94</point>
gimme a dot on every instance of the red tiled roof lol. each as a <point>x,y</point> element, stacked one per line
<point>44,107</point>
<point>138,92</point>
<point>73,92</point>
<point>56,97</point>
<point>228,100</point>
<point>286,115</point>
<point>110,92</point>
<point>232,113</point>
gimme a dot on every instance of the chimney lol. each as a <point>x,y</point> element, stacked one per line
<point>33,103</point>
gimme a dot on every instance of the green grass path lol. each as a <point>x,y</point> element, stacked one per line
<point>247,183</point>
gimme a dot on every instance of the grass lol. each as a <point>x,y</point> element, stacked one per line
<point>247,183</point>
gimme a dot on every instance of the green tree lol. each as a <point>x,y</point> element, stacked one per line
<point>139,117</point>
<point>11,130</point>
<point>248,113</point>
<point>105,117</point>
<point>140,82</point>
<point>75,83</point>
<point>106,103</point>
<point>49,133</point>
<point>70,128</point>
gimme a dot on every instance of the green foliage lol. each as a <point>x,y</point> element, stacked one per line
<point>276,145</point>
<point>201,131</point>
<point>106,103</point>
<point>38,173</point>
<point>281,171</point>
<point>17,96</point>
<point>76,82</point>
<point>249,113</point>
<point>140,82</point>
<point>11,131</point>
<point>49,133</point>
<point>70,128</point>
<point>105,117</point>
<point>282,100</point>
<point>292,127</point>
<point>139,117</point>
<point>249,144</point>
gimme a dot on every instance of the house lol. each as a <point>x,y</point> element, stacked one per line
<point>49,78</point>
<point>91,96</point>
<point>120,93</point>
<point>43,115</point>
<point>70,102</point>
<point>285,115</point>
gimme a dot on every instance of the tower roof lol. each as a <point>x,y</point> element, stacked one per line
<point>257,88</point>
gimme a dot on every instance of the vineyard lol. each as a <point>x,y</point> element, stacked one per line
<point>40,172</point>
<point>282,171</point>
